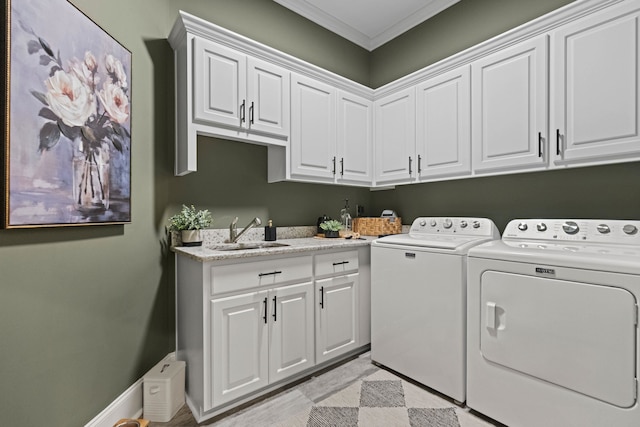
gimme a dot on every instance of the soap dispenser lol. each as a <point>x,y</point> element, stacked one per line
<point>270,232</point>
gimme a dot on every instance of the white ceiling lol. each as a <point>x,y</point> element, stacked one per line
<point>367,23</point>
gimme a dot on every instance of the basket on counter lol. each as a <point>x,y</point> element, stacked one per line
<point>376,226</point>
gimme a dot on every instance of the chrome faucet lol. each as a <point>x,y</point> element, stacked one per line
<point>233,229</point>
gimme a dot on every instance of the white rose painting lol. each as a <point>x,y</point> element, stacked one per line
<point>68,131</point>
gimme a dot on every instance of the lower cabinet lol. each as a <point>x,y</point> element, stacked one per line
<point>336,316</point>
<point>260,338</point>
<point>246,327</point>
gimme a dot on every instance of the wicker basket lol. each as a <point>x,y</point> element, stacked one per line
<point>377,226</point>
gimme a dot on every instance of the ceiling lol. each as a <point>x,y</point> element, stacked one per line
<point>367,23</point>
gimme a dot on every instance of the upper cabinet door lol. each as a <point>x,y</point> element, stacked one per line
<point>595,86</point>
<point>443,139</point>
<point>267,98</point>
<point>220,76</point>
<point>509,108</point>
<point>354,139</point>
<point>313,128</point>
<point>395,146</point>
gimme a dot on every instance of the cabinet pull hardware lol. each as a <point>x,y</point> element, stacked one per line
<point>419,164</point>
<point>251,113</point>
<point>322,297</point>
<point>539,144</point>
<point>340,263</point>
<point>265,310</point>
<point>410,161</point>
<point>269,274</point>
<point>334,165</point>
<point>275,309</point>
<point>341,166</point>
<point>558,142</point>
<point>242,115</point>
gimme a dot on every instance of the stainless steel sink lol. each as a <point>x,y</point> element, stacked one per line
<point>246,246</point>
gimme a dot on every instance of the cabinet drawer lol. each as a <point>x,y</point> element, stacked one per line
<point>336,263</point>
<point>229,278</point>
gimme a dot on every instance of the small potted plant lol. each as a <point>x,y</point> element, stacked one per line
<point>189,222</point>
<point>331,228</point>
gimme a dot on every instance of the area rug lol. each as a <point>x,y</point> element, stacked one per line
<point>383,399</point>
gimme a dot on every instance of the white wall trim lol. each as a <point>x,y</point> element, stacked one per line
<point>127,405</point>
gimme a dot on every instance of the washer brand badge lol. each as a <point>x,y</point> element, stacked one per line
<point>546,271</point>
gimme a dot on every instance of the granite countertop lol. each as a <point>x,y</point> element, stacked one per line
<point>297,239</point>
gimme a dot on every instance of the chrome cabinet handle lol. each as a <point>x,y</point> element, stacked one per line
<point>269,274</point>
<point>275,310</point>
<point>322,297</point>
<point>410,161</point>
<point>419,164</point>
<point>539,144</point>
<point>334,165</point>
<point>242,112</point>
<point>265,310</point>
<point>342,166</point>
<point>340,263</point>
<point>251,113</point>
<point>558,151</point>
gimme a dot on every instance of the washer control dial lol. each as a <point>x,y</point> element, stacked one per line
<point>522,226</point>
<point>463,224</point>
<point>630,229</point>
<point>603,229</point>
<point>570,227</point>
<point>447,223</point>
<point>476,224</point>
<point>423,223</point>
<point>541,226</point>
<point>434,222</point>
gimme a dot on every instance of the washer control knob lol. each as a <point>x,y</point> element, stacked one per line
<point>423,223</point>
<point>541,226</point>
<point>463,224</point>
<point>630,229</point>
<point>603,229</point>
<point>522,226</point>
<point>447,223</point>
<point>434,222</point>
<point>570,227</point>
<point>476,224</point>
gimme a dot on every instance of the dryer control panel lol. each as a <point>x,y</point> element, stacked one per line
<point>604,231</point>
<point>426,226</point>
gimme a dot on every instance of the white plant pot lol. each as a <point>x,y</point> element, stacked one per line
<point>191,237</point>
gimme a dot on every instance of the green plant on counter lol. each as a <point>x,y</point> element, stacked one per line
<point>331,225</point>
<point>190,219</point>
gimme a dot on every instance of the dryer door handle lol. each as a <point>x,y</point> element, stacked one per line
<point>491,315</point>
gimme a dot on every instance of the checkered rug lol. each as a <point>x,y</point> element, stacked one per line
<point>383,399</point>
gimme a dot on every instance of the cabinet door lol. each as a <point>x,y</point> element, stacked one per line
<point>239,346</point>
<point>595,86</point>
<point>443,125</point>
<point>336,316</point>
<point>291,347</point>
<point>509,107</point>
<point>267,98</point>
<point>354,149</point>
<point>395,137</point>
<point>220,76</point>
<point>313,128</point>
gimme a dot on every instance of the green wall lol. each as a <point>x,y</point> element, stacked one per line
<point>86,311</point>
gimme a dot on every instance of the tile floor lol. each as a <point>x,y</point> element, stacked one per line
<point>316,400</point>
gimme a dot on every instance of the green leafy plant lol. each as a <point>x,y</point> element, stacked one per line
<point>331,225</point>
<point>190,219</point>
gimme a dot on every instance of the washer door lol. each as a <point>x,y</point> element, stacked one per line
<point>575,335</point>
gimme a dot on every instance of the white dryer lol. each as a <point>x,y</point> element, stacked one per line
<point>552,324</point>
<point>418,300</point>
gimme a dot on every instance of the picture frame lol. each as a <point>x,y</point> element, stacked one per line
<point>66,155</point>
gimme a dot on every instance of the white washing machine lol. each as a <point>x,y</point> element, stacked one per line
<point>418,300</point>
<point>553,324</point>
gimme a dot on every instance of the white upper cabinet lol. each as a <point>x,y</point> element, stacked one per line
<point>443,137</point>
<point>239,92</point>
<point>395,137</point>
<point>509,108</point>
<point>313,129</point>
<point>354,149</point>
<point>595,87</point>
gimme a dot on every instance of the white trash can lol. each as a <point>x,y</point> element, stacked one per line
<point>163,390</point>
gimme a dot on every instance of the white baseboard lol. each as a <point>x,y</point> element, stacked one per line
<point>127,405</point>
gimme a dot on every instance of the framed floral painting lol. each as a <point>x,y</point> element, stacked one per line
<point>67,139</point>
